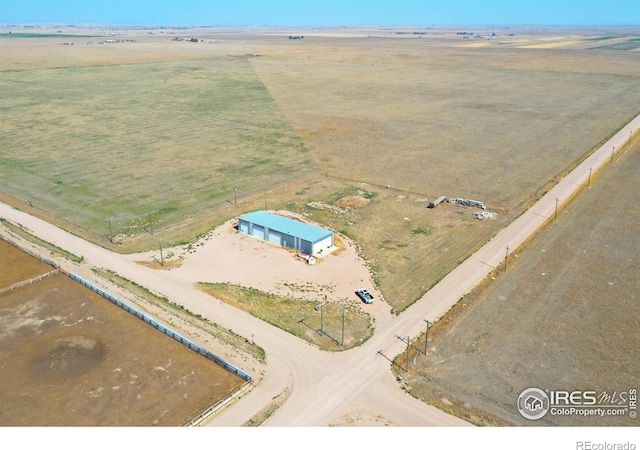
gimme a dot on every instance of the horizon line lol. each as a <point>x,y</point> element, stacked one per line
<point>311,26</point>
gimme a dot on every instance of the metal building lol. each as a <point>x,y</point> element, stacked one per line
<point>287,232</point>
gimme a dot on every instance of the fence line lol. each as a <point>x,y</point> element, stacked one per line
<point>29,281</point>
<point>30,252</point>
<point>218,406</point>
<point>169,332</point>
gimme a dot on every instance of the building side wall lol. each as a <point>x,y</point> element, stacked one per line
<point>322,245</point>
<point>283,239</point>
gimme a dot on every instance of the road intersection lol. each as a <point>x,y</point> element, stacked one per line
<point>344,387</point>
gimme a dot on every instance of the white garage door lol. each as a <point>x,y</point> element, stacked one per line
<point>258,231</point>
<point>275,237</point>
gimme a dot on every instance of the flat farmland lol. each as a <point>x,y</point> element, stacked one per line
<point>71,358</point>
<point>148,140</point>
<point>497,124</point>
<point>144,146</point>
<point>563,317</point>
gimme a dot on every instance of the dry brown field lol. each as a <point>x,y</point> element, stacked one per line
<point>564,316</point>
<point>135,143</point>
<point>71,358</point>
<point>17,266</point>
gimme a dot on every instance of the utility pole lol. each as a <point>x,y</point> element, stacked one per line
<point>555,215</point>
<point>426,339</point>
<point>408,341</point>
<point>319,308</point>
<point>505,258</point>
<point>589,180</point>
<point>110,231</point>
<point>235,198</point>
<point>612,151</point>
<point>344,313</point>
<point>161,255</point>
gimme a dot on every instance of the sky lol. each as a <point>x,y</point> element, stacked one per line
<point>320,12</point>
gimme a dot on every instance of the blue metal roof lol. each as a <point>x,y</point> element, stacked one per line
<point>288,226</point>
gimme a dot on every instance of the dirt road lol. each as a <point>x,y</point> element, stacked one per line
<point>355,387</point>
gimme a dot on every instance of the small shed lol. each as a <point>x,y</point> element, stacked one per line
<point>286,232</point>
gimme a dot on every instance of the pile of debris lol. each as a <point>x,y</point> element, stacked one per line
<point>467,202</point>
<point>481,215</point>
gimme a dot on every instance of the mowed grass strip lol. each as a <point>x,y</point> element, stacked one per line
<point>298,317</point>
<point>145,145</point>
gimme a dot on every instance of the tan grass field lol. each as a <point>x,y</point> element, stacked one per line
<point>148,140</point>
<point>563,317</point>
<point>554,44</point>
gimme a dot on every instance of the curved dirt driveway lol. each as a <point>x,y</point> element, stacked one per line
<point>356,386</point>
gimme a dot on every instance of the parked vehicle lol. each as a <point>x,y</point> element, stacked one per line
<point>365,295</point>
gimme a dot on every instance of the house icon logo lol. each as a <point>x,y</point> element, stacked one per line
<point>533,403</point>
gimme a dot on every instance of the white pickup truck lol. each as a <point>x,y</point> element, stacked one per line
<point>365,295</point>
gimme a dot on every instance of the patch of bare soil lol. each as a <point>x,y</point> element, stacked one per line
<point>352,201</point>
<point>68,356</point>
